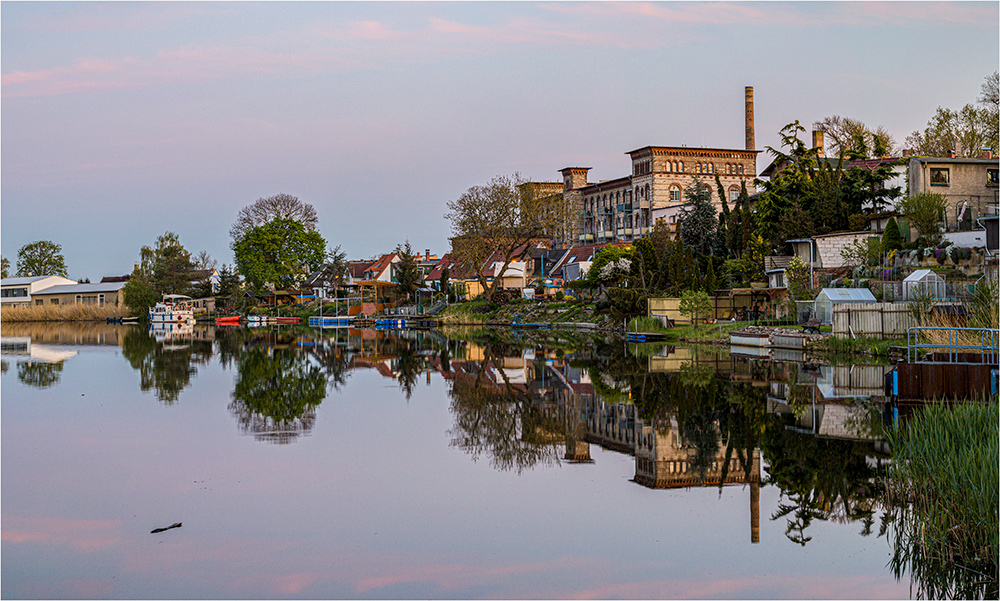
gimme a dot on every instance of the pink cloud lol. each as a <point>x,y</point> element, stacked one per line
<point>82,535</point>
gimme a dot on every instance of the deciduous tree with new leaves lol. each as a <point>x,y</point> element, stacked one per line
<point>43,257</point>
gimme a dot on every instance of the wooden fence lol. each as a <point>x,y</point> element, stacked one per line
<point>877,320</point>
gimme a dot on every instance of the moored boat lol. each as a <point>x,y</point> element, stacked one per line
<point>174,308</point>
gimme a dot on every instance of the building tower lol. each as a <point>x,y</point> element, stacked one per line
<point>749,118</point>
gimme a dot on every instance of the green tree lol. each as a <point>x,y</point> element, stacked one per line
<point>139,294</point>
<point>263,210</point>
<point>695,303</point>
<point>38,374</point>
<point>166,265</point>
<point>444,279</point>
<point>891,238</point>
<point>711,281</point>
<point>281,253</point>
<point>229,286</point>
<point>5,265</point>
<point>408,274</point>
<point>41,258</point>
<point>798,277</point>
<point>966,131</point>
<point>698,223</point>
<point>925,211</point>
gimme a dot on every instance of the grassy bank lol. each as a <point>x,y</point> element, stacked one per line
<point>60,313</point>
<point>704,333</point>
<point>944,483</point>
<point>876,347</point>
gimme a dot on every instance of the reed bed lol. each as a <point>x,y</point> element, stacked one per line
<point>76,312</point>
<point>944,487</point>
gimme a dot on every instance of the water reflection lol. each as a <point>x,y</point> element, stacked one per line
<point>685,417</point>
<point>166,361</point>
<point>276,393</point>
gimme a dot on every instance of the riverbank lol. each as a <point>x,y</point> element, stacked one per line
<point>49,313</point>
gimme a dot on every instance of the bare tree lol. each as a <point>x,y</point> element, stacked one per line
<point>204,261</point>
<point>991,91</point>
<point>263,210</point>
<point>497,220</point>
<point>845,135</point>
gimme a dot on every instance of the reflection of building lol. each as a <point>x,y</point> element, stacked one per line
<point>23,347</point>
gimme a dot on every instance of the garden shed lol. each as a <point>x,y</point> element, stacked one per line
<point>924,283</point>
<point>829,298</point>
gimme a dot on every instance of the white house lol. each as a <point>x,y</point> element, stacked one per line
<point>16,292</point>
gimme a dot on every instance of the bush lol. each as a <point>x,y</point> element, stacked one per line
<point>560,296</point>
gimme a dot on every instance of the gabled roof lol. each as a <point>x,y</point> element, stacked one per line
<point>81,288</point>
<point>379,266</point>
<point>577,254</point>
<point>115,278</point>
<point>22,281</point>
<point>873,164</point>
<point>358,268</point>
<point>434,274</point>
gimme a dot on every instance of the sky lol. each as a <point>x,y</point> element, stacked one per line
<point>121,121</point>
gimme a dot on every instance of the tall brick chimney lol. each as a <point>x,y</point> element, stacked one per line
<point>818,138</point>
<point>749,123</point>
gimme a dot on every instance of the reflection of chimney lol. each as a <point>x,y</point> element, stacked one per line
<point>755,512</point>
<point>749,121</point>
<point>818,134</point>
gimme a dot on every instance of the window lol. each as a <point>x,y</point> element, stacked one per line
<point>991,177</point>
<point>14,292</point>
<point>682,166</point>
<point>38,301</point>
<point>741,169</point>
<point>675,193</point>
<point>55,301</point>
<point>734,193</point>
<point>940,176</point>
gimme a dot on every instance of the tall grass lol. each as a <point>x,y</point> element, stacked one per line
<point>76,312</point>
<point>944,491</point>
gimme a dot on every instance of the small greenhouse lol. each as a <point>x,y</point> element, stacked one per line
<point>828,299</point>
<point>924,283</point>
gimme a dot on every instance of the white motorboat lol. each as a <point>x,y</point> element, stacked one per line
<point>174,308</point>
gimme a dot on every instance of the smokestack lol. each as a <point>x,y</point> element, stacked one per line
<point>818,135</point>
<point>987,153</point>
<point>749,124</point>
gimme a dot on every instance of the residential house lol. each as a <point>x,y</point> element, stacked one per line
<point>20,291</point>
<point>575,263</point>
<point>100,294</point>
<point>200,276</point>
<point>381,269</point>
<point>969,186</point>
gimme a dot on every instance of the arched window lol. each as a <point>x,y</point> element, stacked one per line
<point>675,193</point>
<point>681,166</point>
<point>734,193</point>
<point>741,169</point>
<point>697,168</point>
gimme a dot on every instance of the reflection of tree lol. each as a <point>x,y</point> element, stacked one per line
<point>276,393</point>
<point>168,371</point>
<point>335,362</point>
<point>819,479</point>
<point>3,367</point>
<point>407,366</point>
<point>494,417</point>
<point>38,374</point>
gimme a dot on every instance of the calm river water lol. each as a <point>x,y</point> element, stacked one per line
<point>372,465</point>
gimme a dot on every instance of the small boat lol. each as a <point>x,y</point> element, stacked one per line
<point>233,320</point>
<point>172,309</point>
<point>287,320</point>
